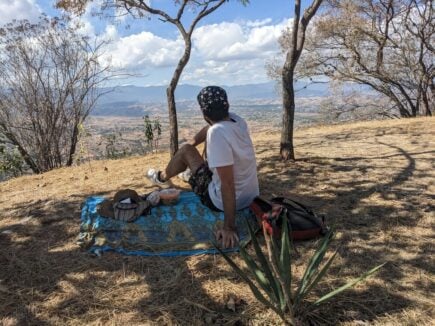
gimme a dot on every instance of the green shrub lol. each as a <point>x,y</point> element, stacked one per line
<point>273,274</point>
<point>11,161</point>
<point>153,132</point>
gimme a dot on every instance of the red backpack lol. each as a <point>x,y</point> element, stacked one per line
<point>303,222</point>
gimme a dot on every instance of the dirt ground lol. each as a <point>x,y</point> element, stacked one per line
<point>374,181</point>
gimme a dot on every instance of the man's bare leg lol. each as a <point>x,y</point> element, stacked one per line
<point>186,157</point>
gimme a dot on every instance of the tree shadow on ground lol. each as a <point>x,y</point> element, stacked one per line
<point>353,305</point>
<point>370,200</point>
<point>46,279</point>
<point>365,198</point>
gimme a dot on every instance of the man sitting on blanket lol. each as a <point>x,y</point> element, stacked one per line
<point>227,180</point>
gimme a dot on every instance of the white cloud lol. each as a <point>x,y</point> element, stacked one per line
<point>234,41</point>
<point>144,50</point>
<point>84,21</point>
<point>210,39</point>
<point>111,33</point>
<point>259,23</point>
<point>226,73</point>
<point>84,25</point>
<point>18,9</point>
<point>226,53</point>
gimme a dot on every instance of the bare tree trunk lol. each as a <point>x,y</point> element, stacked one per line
<point>426,97</point>
<point>72,149</point>
<point>288,95</point>
<point>173,124</point>
<point>426,101</point>
<point>288,99</point>
<point>170,93</point>
<point>29,161</point>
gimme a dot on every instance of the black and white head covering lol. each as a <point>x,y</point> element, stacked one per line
<point>213,101</point>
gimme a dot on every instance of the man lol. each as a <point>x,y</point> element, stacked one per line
<point>227,180</point>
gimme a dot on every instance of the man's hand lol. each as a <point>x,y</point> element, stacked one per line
<point>228,238</point>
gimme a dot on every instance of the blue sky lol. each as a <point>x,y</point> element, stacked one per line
<point>231,46</point>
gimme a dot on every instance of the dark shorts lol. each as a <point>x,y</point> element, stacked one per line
<point>199,182</point>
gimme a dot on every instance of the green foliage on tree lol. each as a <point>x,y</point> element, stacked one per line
<point>157,128</point>
<point>153,132</point>
<point>149,133</point>
<point>11,162</point>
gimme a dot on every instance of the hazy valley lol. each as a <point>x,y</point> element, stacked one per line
<point>117,120</point>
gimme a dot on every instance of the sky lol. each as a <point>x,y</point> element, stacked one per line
<point>231,46</point>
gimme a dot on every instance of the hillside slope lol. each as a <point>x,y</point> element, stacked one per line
<point>375,182</point>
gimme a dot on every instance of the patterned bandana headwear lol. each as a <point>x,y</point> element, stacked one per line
<point>213,102</point>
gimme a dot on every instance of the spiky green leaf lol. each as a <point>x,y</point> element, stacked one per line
<point>257,293</point>
<point>274,247</point>
<point>258,274</point>
<point>284,259</point>
<point>264,264</point>
<point>316,280</point>
<point>314,263</point>
<point>348,285</point>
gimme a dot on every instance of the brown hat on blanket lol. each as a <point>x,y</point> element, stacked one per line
<point>126,206</point>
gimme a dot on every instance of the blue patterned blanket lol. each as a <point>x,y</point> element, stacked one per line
<point>184,229</point>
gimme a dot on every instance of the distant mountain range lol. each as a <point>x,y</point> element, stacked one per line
<point>131,100</point>
<point>156,94</point>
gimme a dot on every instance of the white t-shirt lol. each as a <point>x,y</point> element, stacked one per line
<point>229,143</point>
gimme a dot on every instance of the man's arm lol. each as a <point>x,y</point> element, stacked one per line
<point>228,234</point>
<point>199,137</point>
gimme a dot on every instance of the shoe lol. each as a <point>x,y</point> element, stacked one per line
<point>153,176</point>
<point>185,175</point>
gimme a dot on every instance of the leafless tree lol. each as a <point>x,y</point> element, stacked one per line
<point>384,44</point>
<point>48,85</point>
<point>202,8</point>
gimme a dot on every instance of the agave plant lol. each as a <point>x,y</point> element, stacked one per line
<point>273,273</point>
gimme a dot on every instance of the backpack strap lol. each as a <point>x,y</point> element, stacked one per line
<point>291,202</point>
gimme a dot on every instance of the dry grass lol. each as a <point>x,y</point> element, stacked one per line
<point>374,181</point>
